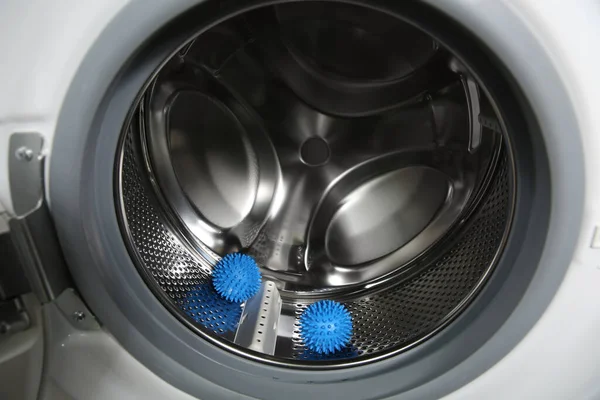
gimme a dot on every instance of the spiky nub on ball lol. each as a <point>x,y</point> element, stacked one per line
<point>205,306</point>
<point>236,277</point>
<point>325,327</point>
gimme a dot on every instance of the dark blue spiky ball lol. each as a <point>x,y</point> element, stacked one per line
<point>205,306</point>
<point>325,327</point>
<point>236,277</point>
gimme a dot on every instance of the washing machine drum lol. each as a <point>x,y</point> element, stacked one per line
<point>338,147</point>
<point>373,156</point>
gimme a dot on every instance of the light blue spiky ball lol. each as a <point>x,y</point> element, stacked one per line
<point>325,327</point>
<point>236,277</point>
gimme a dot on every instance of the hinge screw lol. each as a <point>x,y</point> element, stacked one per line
<point>78,316</point>
<point>24,154</point>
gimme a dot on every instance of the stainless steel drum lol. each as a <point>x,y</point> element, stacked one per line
<point>348,152</point>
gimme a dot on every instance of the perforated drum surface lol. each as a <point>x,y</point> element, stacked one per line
<point>392,317</point>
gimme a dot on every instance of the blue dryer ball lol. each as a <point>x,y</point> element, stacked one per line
<point>205,306</point>
<point>236,277</point>
<point>325,327</point>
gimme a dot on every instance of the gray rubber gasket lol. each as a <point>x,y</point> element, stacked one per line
<point>81,192</point>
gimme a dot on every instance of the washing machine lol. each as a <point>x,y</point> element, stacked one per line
<point>428,165</point>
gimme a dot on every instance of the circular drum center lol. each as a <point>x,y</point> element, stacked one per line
<point>314,152</point>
